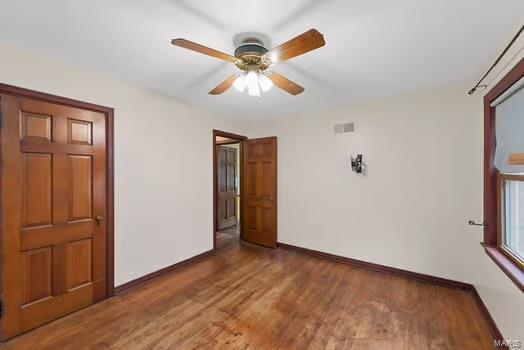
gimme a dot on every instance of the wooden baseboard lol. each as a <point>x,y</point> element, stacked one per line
<point>439,281</point>
<point>141,280</point>
<point>443,282</point>
<point>487,317</point>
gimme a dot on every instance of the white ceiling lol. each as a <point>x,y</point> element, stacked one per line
<point>373,48</point>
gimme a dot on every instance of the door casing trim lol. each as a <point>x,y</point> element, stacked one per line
<point>6,89</point>
<point>240,139</point>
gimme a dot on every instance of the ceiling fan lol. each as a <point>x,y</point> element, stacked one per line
<point>255,61</point>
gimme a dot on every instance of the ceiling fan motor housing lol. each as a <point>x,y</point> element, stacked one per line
<point>251,46</point>
<point>251,54</point>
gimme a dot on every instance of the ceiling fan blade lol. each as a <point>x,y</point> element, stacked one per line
<point>285,84</point>
<point>186,44</point>
<point>223,86</point>
<point>297,46</point>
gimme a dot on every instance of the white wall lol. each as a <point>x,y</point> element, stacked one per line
<point>163,188</point>
<point>423,153</point>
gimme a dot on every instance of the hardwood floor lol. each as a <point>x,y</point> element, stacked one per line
<point>225,234</point>
<point>247,296</point>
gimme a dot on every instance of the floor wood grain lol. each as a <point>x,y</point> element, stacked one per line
<point>248,297</point>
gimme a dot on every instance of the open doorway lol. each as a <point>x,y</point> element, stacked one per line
<point>227,179</point>
<point>244,190</point>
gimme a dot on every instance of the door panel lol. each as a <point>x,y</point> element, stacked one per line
<point>36,189</point>
<point>260,191</point>
<point>251,179</point>
<point>78,262</point>
<point>53,187</point>
<point>79,132</point>
<point>227,158</point>
<point>80,188</point>
<point>35,271</point>
<point>36,127</point>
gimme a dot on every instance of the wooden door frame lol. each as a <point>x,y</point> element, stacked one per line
<point>240,139</point>
<point>109,113</point>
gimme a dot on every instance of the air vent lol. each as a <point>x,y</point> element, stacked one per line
<point>347,128</point>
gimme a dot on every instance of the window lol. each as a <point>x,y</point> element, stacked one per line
<point>511,213</point>
<point>504,174</point>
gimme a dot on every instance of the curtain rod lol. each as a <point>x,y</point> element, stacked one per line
<point>473,89</point>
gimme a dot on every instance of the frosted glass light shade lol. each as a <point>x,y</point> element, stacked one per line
<point>264,82</point>
<point>240,83</point>
<point>252,84</point>
<point>253,90</point>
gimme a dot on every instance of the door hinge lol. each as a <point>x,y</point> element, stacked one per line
<point>1,308</point>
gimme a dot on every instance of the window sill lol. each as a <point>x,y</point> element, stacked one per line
<point>506,265</point>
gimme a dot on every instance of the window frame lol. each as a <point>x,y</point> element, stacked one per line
<point>492,215</point>
<point>502,178</point>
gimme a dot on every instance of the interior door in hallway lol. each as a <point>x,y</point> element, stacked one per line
<point>259,213</point>
<point>53,209</point>
<point>227,158</point>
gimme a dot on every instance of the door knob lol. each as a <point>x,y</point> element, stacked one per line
<point>99,220</point>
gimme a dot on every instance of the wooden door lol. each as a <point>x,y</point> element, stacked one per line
<point>227,158</point>
<point>259,213</point>
<point>53,210</point>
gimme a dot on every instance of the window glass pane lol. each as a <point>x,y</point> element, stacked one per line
<point>509,123</point>
<point>514,217</point>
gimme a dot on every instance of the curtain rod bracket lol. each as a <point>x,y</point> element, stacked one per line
<point>473,90</point>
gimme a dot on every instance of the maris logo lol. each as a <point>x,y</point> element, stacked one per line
<point>516,344</point>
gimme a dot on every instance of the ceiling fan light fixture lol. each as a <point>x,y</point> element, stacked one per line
<point>253,59</point>
<point>253,89</point>
<point>240,83</point>
<point>264,82</point>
